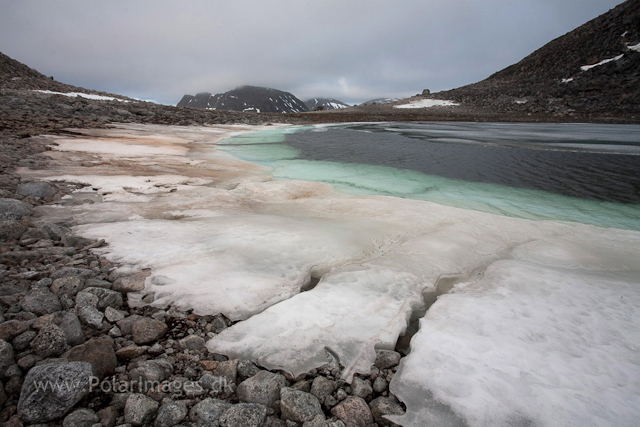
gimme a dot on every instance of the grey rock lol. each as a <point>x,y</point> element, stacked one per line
<point>97,283</point>
<point>139,409</point>
<point>229,370</point>
<point>72,328</point>
<point>115,332</point>
<point>360,388</point>
<point>171,414</point>
<point>29,361</point>
<point>381,406</point>
<point>130,352</point>
<point>11,229</point>
<point>36,189</point>
<point>302,385</point>
<point>12,328</point>
<point>12,209</point>
<point>6,357</point>
<point>22,341</point>
<point>119,400</point>
<point>146,330</point>
<point>99,353</point>
<point>86,299</point>
<point>353,412</point>
<point>156,370</point>
<point>246,369</point>
<point>3,395</point>
<point>81,418</point>
<point>208,412</point>
<point>126,324</point>
<point>50,341</point>
<point>106,297</point>
<point>387,359</point>
<point>133,283</point>
<point>13,371</point>
<point>112,315</point>
<point>192,342</point>
<point>90,316</point>
<point>41,302</point>
<point>218,325</point>
<point>55,231</point>
<point>67,286</point>
<point>299,406</point>
<point>213,383</point>
<point>40,405</point>
<point>83,273</point>
<point>263,388</point>
<point>322,387</point>
<point>244,415</point>
<point>318,421</point>
<point>379,385</point>
<point>108,416</point>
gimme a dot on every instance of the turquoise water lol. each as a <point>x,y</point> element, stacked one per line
<point>274,148</point>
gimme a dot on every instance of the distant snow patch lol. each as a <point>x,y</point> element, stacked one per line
<point>636,47</point>
<point>426,103</point>
<point>521,101</point>
<point>567,80</point>
<point>83,95</point>
<point>588,67</point>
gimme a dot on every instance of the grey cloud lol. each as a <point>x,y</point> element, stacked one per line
<point>350,49</point>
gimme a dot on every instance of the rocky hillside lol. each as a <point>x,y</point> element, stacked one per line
<point>247,98</point>
<point>325,104</point>
<point>592,69</point>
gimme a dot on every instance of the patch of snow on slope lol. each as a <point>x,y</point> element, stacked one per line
<point>635,47</point>
<point>605,61</point>
<point>427,103</point>
<point>83,95</point>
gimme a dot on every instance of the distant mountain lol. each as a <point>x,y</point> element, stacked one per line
<point>247,98</point>
<point>381,101</point>
<point>592,69</point>
<point>325,104</point>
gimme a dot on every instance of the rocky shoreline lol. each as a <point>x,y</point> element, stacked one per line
<point>75,350</point>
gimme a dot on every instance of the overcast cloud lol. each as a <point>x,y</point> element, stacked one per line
<point>352,50</point>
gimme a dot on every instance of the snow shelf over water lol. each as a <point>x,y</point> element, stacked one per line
<point>541,326</point>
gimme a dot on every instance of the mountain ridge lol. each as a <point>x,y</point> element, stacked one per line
<point>247,98</point>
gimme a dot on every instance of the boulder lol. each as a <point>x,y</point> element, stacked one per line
<point>41,302</point>
<point>139,409</point>
<point>11,329</point>
<point>81,418</point>
<point>381,406</point>
<point>208,412</point>
<point>50,391</point>
<point>106,297</point>
<point>11,229</point>
<point>67,286</point>
<point>263,388</point>
<point>39,189</point>
<point>147,331</point>
<point>244,415</point>
<point>353,412</point>
<point>133,283</point>
<point>99,353</point>
<point>171,414</point>
<point>386,359</point>
<point>72,328</point>
<point>12,209</point>
<point>322,387</point>
<point>299,406</point>
<point>50,341</point>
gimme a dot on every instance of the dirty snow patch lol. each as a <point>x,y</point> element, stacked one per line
<point>426,103</point>
<point>588,67</point>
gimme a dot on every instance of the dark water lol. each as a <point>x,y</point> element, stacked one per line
<point>595,162</point>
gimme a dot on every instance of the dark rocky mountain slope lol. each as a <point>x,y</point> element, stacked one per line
<point>247,98</point>
<point>564,77</point>
<point>325,104</point>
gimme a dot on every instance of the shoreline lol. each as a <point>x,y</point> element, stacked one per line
<point>228,179</point>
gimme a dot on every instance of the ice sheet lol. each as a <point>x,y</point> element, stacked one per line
<point>548,327</point>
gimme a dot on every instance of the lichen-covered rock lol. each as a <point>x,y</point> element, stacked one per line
<point>354,412</point>
<point>50,341</point>
<point>208,412</point>
<point>106,297</point>
<point>171,414</point>
<point>81,418</point>
<point>322,387</point>
<point>41,302</point>
<point>50,391</point>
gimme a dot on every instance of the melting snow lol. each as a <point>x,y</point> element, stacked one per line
<point>588,67</point>
<point>542,329</point>
<point>426,103</point>
<point>83,95</point>
<point>635,47</point>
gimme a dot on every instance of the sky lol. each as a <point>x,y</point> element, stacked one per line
<point>351,50</point>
